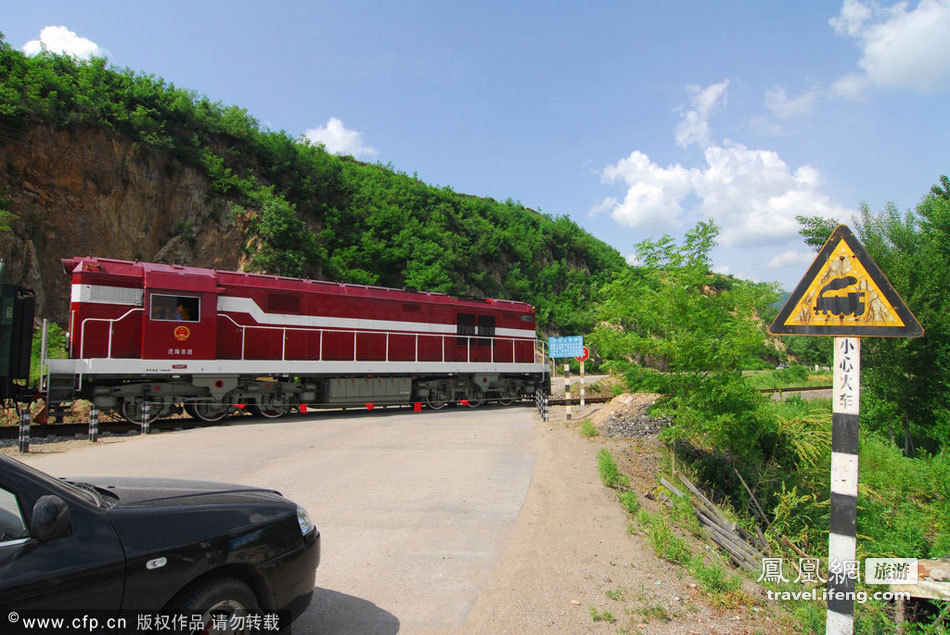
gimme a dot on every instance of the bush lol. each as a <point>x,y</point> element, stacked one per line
<point>640,379</point>
<point>793,375</point>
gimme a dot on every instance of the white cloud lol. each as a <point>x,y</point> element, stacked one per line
<point>338,140</point>
<point>800,258</point>
<point>785,107</point>
<point>603,206</point>
<point>901,48</point>
<point>854,15</point>
<point>753,195</point>
<point>694,125</point>
<point>59,39</point>
<point>851,86</point>
<point>654,194</point>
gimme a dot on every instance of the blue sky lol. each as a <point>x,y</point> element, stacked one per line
<point>636,119</point>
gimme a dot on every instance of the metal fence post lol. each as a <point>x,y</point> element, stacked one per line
<point>25,430</point>
<point>93,424</point>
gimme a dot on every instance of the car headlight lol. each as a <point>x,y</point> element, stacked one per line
<point>303,519</point>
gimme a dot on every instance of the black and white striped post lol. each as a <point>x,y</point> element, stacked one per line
<point>25,430</point>
<point>146,408</point>
<point>541,401</point>
<point>567,389</point>
<point>842,539</point>
<point>582,385</point>
<point>844,295</point>
<point>93,424</point>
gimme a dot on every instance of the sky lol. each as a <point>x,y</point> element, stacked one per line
<point>635,118</point>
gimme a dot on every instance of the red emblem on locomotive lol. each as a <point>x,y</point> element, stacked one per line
<point>182,333</point>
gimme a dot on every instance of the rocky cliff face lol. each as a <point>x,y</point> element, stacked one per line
<point>82,191</point>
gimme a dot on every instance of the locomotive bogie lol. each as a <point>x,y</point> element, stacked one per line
<point>211,399</point>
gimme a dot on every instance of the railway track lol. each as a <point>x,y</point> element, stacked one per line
<point>119,426</point>
<point>576,401</point>
<point>185,423</point>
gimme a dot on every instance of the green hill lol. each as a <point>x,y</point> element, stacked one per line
<point>174,168</point>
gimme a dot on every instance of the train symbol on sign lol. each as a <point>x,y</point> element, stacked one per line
<point>840,305</point>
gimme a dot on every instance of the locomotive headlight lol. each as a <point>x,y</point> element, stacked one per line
<point>303,519</point>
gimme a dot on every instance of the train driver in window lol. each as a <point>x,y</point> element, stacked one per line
<point>181,313</point>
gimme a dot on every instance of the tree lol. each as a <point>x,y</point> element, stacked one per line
<point>906,382</point>
<point>815,230</point>
<point>673,312</point>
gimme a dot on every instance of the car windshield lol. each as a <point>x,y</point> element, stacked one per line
<point>90,496</point>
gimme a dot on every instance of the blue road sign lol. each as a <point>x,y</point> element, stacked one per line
<point>566,346</point>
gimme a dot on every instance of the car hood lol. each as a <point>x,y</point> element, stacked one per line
<point>144,491</point>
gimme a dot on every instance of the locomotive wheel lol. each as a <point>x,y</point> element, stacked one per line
<point>476,397</point>
<point>271,406</point>
<point>506,396</point>
<point>211,411</point>
<point>437,399</point>
<point>131,411</point>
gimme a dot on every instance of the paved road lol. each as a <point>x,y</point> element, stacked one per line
<point>414,509</point>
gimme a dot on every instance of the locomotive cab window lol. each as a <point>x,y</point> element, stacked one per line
<point>486,328</point>
<point>175,308</point>
<point>466,326</point>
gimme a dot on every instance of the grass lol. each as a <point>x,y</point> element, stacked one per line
<point>723,588</point>
<point>629,501</point>
<point>601,616</point>
<point>610,474</point>
<point>794,377</point>
<point>666,544</point>
<point>654,612</point>
<point>616,594</point>
<point>587,429</point>
<point>713,578</point>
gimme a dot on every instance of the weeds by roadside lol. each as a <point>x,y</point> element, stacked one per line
<point>601,616</point>
<point>587,429</point>
<point>610,474</point>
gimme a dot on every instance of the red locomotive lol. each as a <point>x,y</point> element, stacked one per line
<point>205,340</point>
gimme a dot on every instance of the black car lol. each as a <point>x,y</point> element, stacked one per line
<point>112,545</point>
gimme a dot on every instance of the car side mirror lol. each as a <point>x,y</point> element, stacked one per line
<point>50,518</point>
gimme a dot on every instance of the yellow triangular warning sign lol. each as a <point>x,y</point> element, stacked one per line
<point>844,294</point>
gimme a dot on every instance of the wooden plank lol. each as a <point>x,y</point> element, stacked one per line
<point>692,488</point>
<point>665,483</point>
<point>708,518</point>
<point>738,543</point>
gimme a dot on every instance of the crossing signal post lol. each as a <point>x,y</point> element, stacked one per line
<point>846,296</point>
<point>566,347</point>
<point>583,358</point>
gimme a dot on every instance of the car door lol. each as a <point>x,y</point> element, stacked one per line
<point>82,570</point>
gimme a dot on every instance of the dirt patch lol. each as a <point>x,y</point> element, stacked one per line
<point>56,445</point>
<point>572,564</point>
